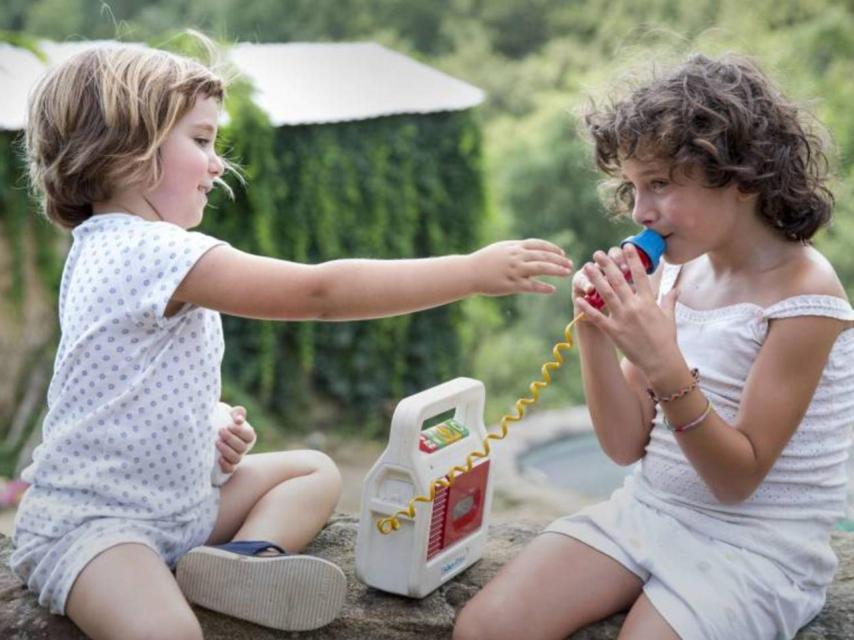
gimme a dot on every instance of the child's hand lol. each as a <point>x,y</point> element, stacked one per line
<point>644,331</point>
<point>511,266</point>
<point>581,284</point>
<point>235,440</point>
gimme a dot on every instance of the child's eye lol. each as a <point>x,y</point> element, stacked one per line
<point>657,185</point>
<point>202,142</point>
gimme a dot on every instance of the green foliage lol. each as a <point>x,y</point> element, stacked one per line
<point>23,41</point>
<point>357,190</point>
<point>555,161</point>
<point>384,188</point>
<point>24,232</point>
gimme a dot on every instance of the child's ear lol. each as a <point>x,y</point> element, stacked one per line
<point>745,196</point>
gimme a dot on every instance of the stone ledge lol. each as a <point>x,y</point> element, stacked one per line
<point>369,613</point>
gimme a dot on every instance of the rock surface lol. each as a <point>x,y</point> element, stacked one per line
<point>369,613</point>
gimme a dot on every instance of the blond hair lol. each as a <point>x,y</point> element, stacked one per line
<point>98,120</point>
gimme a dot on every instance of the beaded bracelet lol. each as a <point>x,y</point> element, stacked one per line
<point>696,422</point>
<point>695,374</point>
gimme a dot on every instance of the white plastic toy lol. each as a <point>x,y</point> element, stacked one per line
<point>448,534</point>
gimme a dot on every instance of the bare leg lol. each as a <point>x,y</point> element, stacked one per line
<point>556,586</point>
<point>128,592</point>
<point>284,497</point>
<point>644,621</point>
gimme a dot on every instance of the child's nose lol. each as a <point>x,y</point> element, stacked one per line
<point>644,211</point>
<point>217,166</point>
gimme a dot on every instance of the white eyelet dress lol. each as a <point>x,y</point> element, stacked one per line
<point>756,569</point>
<point>127,443</point>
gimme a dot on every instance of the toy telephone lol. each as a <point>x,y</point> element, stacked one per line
<point>442,529</point>
<point>448,531</point>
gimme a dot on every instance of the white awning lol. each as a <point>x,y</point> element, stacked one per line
<point>297,83</point>
<point>319,83</point>
<point>19,70</point>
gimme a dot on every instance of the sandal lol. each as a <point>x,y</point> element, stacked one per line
<point>281,591</point>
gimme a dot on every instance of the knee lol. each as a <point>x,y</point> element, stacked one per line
<point>327,473</point>
<point>182,626</point>
<point>477,621</point>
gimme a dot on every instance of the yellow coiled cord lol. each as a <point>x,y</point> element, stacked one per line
<point>392,523</point>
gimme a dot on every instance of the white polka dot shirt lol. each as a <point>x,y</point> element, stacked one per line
<point>127,433</point>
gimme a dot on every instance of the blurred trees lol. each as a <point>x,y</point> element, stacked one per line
<point>538,61</point>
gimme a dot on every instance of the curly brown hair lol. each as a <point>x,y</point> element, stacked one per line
<point>725,117</point>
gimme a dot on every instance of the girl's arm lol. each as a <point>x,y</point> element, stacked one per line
<point>619,406</point>
<point>732,459</point>
<point>242,284</point>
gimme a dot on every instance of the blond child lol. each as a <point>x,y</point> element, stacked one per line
<point>736,387</point>
<point>121,146</point>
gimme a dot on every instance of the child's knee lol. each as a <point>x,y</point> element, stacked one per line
<point>476,620</point>
<point>327,473</point>
<point>182,626</point>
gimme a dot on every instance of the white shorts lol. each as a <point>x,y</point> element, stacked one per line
<point>704,588</point>
<point>49,566</point>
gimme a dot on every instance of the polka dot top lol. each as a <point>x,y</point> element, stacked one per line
<point>790,515</point>
<point>127,433</point>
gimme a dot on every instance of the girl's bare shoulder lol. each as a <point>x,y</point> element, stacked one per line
<point>810,273</point>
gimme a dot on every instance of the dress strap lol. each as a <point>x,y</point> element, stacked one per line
<point>668,278</point>
<point>811,305</point>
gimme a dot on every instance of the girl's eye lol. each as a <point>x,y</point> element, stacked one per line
<point>202,142</point>
<point>657,185</point>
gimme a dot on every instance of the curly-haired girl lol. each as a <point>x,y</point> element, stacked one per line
<point>736,387</point>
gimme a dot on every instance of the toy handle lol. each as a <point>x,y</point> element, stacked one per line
<point>466,396</point>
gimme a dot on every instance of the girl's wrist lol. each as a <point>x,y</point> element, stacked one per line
<point>668,373</point>
<point>593,343</point>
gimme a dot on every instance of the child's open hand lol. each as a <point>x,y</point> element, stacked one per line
<point>511,266</point>
<point>235,440</point>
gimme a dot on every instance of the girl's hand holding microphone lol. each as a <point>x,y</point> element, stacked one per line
<point>641,329</point>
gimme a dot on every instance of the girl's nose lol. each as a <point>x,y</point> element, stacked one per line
<point>644,212</point>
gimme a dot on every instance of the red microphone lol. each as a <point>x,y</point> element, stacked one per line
<point>650,246</point>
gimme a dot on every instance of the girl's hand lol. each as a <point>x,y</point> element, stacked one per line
<point>235,440</point>
<point>581,284</point>
<point>643,331</point>
<point>512,266</point>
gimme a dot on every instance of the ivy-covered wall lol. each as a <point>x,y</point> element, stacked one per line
<point>391,187</point>
<point>17,220</point>
<point>31,255</point>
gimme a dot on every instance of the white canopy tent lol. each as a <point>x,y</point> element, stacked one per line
<point>298,83</point>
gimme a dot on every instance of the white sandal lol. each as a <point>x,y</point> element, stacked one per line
<point>287,592</point>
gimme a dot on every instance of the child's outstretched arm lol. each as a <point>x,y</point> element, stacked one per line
<point>732,458</point>
<point>242,284</point>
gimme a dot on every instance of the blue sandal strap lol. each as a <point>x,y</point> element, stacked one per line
<point>250,547</point>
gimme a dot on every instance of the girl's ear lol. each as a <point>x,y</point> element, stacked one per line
<point>745,196</point>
